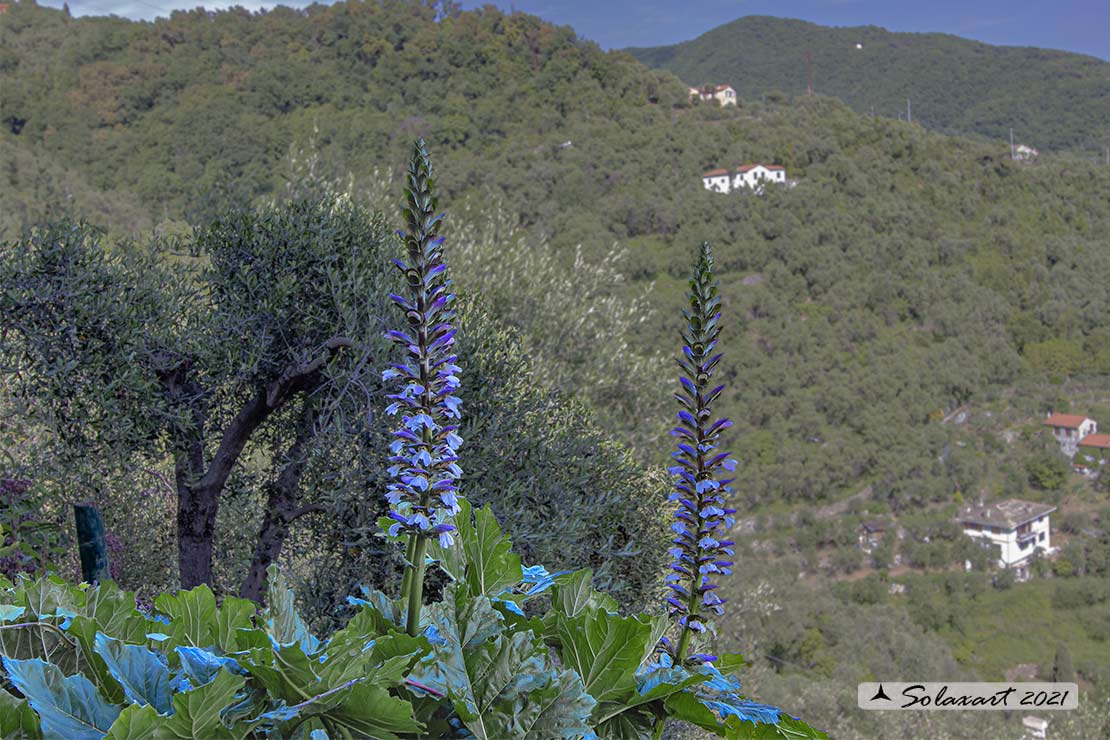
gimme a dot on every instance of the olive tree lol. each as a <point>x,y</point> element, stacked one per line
<point>259,332</point>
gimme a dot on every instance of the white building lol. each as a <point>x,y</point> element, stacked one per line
<point>1069,430</point>
<point>723,94</point>
<point>719,181</point>
<point>1018,528</point>
<point>1025,152</point>
<point>754,176</point>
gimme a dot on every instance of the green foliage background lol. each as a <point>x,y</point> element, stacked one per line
<point>1054,100</point>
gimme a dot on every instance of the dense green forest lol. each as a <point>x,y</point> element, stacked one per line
<point>908,274</point>
<point>1053,100</point>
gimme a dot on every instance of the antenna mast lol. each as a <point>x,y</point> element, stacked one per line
<point>809,71</point>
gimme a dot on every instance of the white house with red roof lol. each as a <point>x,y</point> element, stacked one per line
<point>752,176</point>
<point>755,175</point>
<point>1093,452</point>
<point>719,181</point>
<point>1070,430</point>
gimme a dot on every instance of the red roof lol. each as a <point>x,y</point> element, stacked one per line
<point>715,173</point>
<point>752,166</point>
<point>720,88</point>
<point>1102,441</point>
<point>1068,421</point>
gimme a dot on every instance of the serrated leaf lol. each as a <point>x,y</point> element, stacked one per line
<point>560,710</point>
<point>196,713</point>
<point>575,594</point>
<point>482,556</point>
<point>686,707</point>
<point>69,708</point>
<point>143,674</point>
<point>17,720</point>
<point>285,672</point>
<point>500,684</point>
<point>606,649</point>
<point>372,712</point>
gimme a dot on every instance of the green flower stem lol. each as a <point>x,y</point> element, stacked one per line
<point>416,586</point>
<point>406,581</point>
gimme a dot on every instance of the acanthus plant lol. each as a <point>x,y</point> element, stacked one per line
<point>486,661</point>
<point>424,461</point>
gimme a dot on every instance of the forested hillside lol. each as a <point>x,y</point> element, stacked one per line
<point>907,273</point>
<point>1053,100</point>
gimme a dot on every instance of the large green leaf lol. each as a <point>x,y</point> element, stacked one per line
<point>47,604</point>
<point>575,594</point>
<point>500,684</point>
<point>192,616</point>
<point>135,722</point>
<point>561,709</point>
<point>371,711</point>
<point>143,674</point>
<point>482,557</point>
<point>196,714</point>
<point>69,707</point>
<point>285,672</point>
<point>606,650</point>
<point>17,720</point>
<point>233,617</point>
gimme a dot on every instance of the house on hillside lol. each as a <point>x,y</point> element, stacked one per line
<point>1093,452</point>
<point>1018,528</point>
<point>723,94</point>
<point>719,181</point>
<point>755,175</point>
<point>1069,429</point>
<point>1025,153</point>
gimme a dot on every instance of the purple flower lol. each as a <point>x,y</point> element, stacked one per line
<point>701,519</point>
<point>423,495</point>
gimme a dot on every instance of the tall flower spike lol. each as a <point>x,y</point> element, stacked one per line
<point>423,495</point>
<point>701,521</point>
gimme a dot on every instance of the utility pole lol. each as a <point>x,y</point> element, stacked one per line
<point>809,71</point>
<point>909,112</point>
<point>1013,152</point>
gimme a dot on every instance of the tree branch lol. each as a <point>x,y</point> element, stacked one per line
<point>238,432</point>
<point>309,509</point>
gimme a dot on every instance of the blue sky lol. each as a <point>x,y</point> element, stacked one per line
<point>1073,25</point>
